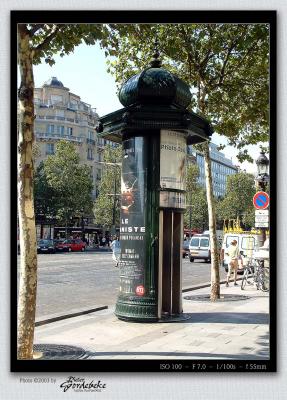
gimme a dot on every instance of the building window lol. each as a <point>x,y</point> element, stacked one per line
<point>60,130</point>
<point>50,128</point>
<point>56,99</point>
<point>99,174</point>
<point>91,135</point>
<point>60,113</point>
<point>74,104</point>
<point>100,142</point>
<point>50,148</point>
<point>90,154</point>
<point>70,131</point>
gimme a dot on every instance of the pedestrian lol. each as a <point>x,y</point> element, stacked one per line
<point>104,241</point>
<point>233,255</point>
<point>116,248</point>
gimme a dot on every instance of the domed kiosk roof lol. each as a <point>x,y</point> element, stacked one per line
<point>53,81</point>
<point>154,99</point>
<point>155,85</point>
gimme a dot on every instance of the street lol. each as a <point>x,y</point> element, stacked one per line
<point>73,281</point>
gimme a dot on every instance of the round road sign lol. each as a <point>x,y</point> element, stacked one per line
<point>261,200</point>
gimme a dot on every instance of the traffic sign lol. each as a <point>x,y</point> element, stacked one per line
<point>261,200</point>
<point>261,216</point>
<point>261,224</point>
<point>261,212</point>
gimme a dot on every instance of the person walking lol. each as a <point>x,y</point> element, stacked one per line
<point>233,254</point>
<point>116,248</point>
<point>104,241</point>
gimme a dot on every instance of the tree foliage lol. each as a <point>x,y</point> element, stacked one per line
<point>196,215</point>
<point>44,195</point>
<point>50,39</point>
<point>198,209</point>
<point>107,204</point>
<point>240,189</point>
<point>225,65</point>
<point>69,181</point>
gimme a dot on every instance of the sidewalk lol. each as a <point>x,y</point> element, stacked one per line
<point>231,328</point>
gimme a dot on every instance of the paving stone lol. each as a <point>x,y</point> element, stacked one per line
<point>208,334</point>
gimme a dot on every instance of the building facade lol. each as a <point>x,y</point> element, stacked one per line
<point>221,168</point>
<point>62,115</point>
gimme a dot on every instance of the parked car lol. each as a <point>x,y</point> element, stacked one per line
<point>45,246</point>
<point>185,248</point>
<point>199,248</point>
<point>247,243</point>
<point>72,245</point>
<point>60,245</point>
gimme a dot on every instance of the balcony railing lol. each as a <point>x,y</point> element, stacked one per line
<point>91,141</point>
<point>73,120</point>
<point>57,136</point>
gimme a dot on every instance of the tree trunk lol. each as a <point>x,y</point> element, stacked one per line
<point>215,278</point>
<point>27,229</point>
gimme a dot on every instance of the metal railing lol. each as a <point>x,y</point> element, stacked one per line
<point>58,136</point>
<point>73,120</point>
<point>91,141</point>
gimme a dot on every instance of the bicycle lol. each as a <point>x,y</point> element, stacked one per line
<point>248,274</point>
<point>260,277</point>
<point>254,274</point>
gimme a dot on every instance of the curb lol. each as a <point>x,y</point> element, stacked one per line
<point>204,285</point>
<point>56,318</point>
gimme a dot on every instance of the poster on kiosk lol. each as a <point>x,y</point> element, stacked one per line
<point>133,200</point>
<point>172,169</point>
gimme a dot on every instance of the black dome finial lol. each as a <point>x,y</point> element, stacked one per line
<point>156,63</point>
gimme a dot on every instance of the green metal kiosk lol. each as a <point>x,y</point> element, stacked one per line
<point>154,128</point>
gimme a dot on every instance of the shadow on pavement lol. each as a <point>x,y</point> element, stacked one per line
<point>228,318</point>
<point>243,356</point>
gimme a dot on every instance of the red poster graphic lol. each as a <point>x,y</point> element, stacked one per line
<point>140,290</point>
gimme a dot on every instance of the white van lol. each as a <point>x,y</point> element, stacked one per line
<point>247,243</point>
<point>199,248</point>
<point>219,235</point>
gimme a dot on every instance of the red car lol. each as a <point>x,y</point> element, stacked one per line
<point>72,245</point>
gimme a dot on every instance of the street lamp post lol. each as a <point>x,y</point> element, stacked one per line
<point>262,179</point>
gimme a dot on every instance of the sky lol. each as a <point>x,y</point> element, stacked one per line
<point>84,72</point>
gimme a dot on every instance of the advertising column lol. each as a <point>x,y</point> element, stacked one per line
<point>135,288</point>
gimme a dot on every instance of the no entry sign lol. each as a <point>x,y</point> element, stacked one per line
<point>261,200</point>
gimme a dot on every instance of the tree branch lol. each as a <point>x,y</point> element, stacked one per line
<point>47,40</point>
<point>191,54</point>
<point>221,77</point>
<point>35,28</point>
